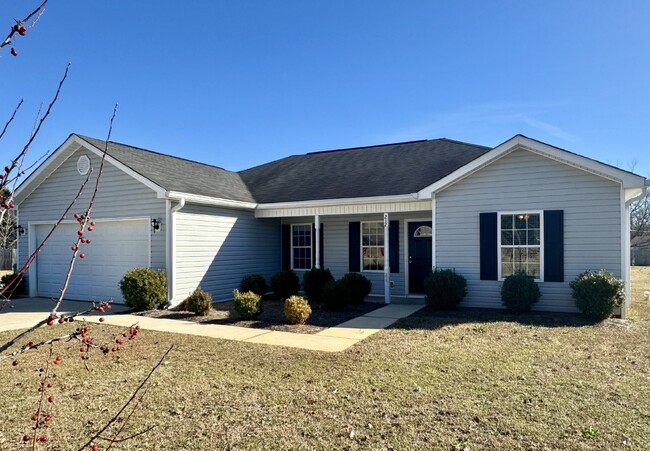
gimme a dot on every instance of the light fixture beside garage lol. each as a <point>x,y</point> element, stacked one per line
<point>155,225</point>
<point>21,230</point>
<point>83,165</point>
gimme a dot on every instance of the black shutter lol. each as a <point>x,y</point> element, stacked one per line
<point>286,246</point>
<point>393,246</point>
<point>313,246</point>
<point>554,246</point>
<point>489,250</point>
<point>322,247</point>
<point>354,247</point>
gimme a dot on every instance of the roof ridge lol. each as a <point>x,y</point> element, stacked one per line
<point>158,153</point>
<point>464,143</point>
<point>366,147</point>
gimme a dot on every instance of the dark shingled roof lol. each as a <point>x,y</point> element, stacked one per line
<point>385,170</point>
<point>178,174</point>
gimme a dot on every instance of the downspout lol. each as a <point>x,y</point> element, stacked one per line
<point>171,249</point>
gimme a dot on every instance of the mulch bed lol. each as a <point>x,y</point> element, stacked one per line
<point>272,318</point>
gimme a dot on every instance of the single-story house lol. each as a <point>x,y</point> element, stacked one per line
<point>391,212</point>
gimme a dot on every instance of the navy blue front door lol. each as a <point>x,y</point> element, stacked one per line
<point>419,254</point>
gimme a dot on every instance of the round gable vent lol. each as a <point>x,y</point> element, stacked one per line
<point>83,164</point>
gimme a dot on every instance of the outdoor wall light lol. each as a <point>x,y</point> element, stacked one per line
<point>155,225</point>
<point>21,230</point>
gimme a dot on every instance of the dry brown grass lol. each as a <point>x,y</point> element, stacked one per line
<point>433,381</point>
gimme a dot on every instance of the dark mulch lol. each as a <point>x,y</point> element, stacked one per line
<point>272,317</point>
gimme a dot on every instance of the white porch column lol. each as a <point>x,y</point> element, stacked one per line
<point>317,225</point>
<point>386,260</point>
<point>433,231</point>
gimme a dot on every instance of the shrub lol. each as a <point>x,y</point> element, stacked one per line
<point>335,295</point>
<point>285,283</point>
<point>519,292</point>
<point>444,289</point>
<point>255,283</point>
<point>297,309</point>
<point>357,287</point>
<point>199,302</point>
<point>597,294</point>
<point>144,288</point>
<point>247,305</point>
<point>313,282</point>
<point>19,290</point>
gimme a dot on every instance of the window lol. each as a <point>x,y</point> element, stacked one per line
<point>372,246</point>
<point>520,244</point>
<point>301,246</point>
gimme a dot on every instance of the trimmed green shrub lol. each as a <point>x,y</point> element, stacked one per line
<point>199,302</point>
<point>519,292</point>
<point>255,283</point>
<point>297,309</point>
<point>247,305</point>
<point>19,290</point>
<point>597,294</point>
<point>285,283</point>
<point>313,282</point>
<point>356,286</point>
<point>144,288</point>
<point>335,295</point>
<point>444,289</point>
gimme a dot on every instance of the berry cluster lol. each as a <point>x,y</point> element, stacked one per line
<point>82,220</point>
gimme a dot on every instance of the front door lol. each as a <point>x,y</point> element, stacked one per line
<point>419,254</point>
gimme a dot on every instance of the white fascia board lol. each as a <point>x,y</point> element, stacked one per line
<point>160,191</point>
<point>334,202</point>
<point>626,179</point>
<point>207,200</point>
<point>41,173</point>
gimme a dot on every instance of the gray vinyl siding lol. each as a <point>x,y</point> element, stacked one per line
<point>523,181</point>
<point>119,196</point>
<point>216,247</point>
<point>336,246</point>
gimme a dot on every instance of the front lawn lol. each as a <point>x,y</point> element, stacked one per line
<point>448,381</point>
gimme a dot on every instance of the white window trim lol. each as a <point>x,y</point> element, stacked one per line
<point>311,243</point>
<point>380,271</point>
<point>541,239</point>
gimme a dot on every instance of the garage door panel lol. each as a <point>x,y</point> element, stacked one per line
<point>116,247</point>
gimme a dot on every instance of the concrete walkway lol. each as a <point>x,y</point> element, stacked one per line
<point>334,339</point>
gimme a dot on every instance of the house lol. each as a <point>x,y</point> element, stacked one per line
<point>391,212</point>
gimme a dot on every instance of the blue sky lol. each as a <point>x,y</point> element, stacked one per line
<point>240,83</point>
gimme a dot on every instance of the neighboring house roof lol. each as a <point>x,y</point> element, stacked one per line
<point>178,174</point>
<point>384,170</point>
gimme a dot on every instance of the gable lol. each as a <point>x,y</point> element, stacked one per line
<point>626,179</point>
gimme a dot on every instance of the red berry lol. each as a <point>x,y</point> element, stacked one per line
<point>12,205</point>
<point>100,309</point>
<point>14,363</point>
<point>50,398</point>
<point>80,232</point>
<point>87,241</point>
<point>76,216</point>
<point>90,229</point>
<point>26,438</point>
<point>61,320</point>
<point>74,248</point>
<point>92,223</point>
<point>49,385</point>
<point>14,52</point>
<point>101,320</point>
<point>82,255</point>
<point>50,321</point>
<point>94,448</point>
<point>34,417</point>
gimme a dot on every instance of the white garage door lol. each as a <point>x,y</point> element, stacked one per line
<point>115,247</point>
